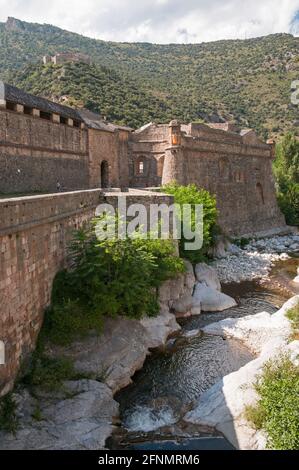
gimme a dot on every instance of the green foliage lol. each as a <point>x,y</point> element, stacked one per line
<point>293,316</point>
<point>277,411</point>
<point>286,168</point>
<point>8,418</point>
<point>108,278</point>
<point>192,195</point>
<point>246,81</point>
<point>48,373</point>
<point>242,242</point>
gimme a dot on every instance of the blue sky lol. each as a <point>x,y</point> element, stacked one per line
<point>161,21</point>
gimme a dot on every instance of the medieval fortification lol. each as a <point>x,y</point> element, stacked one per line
<point>65,161</point>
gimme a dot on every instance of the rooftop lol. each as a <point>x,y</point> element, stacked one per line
<point>17,96</point>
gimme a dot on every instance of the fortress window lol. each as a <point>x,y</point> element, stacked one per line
<point>239,176</point>
<point>140,166</point>
<point>10,106</point>
<point>28,110</point>
<point>224,168</point>
<point>77,124</point>
<point>46,116</point>
<point>63,120</point>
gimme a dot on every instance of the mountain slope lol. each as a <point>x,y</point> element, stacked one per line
<point>248,81</point>
<point>95,87</point>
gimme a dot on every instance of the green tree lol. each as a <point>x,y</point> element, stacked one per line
<point>286,169</point>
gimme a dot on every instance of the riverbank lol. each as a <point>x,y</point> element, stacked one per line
<point>223,406</point>
<point>84,414</point>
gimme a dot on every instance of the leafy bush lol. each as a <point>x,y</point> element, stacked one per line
<point>286,169</point>
<point>191,194</point>
<point>48,373</point>
<point>8,417</point>
<point>108,278</point>
<point>293,316</point>
<point>277,411</point>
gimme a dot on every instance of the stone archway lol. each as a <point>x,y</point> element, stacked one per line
<point>104,174</point>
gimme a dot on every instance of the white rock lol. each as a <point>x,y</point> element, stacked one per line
<point>81,422</point>
<point>192,334</point>
<point>212,300</point>
<point>183,305</point>
<point>208,275</point>
<point>196,307</point>
<point>223,405</point>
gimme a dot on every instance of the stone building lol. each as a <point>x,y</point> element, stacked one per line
<point>236,167</point>
<point>45,146</point>
<point>64,57</point>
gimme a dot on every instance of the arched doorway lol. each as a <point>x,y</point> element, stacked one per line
<point>104,174</point>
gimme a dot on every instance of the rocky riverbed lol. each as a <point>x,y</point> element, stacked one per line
<point>256,260</point>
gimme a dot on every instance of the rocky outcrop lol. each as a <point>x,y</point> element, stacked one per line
<point>205,296</point>
<point>222,406</point>
<point>81,418</point>
<point>207,275</point>
<point>211,300</point>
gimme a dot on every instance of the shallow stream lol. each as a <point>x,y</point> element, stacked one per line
<point>173,378</point>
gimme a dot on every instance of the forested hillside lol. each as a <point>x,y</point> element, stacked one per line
<point>247,81</point>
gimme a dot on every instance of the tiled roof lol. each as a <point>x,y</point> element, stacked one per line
<point>15,95</point>
<point>95,121</point>
<point>92,120</point>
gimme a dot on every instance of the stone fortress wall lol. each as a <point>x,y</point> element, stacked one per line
<point>236,167</point>
<point>34,236</point>
<point>43,144</point>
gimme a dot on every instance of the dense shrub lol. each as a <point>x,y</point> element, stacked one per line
<point>277,411</point>
<point>286,169</point>
<point>108,278</point>
<point>293,316</point>
<point>8,418</point>
<point>48,373</point>
<point>191,194</point>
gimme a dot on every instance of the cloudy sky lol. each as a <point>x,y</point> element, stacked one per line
<point>160,21</point>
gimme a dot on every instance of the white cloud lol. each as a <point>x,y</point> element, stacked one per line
<point>159,21</point>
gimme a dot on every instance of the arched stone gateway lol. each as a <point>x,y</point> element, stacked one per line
<point>104,174</point>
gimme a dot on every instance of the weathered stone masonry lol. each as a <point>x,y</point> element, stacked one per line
<point>237,168</point>
<point>34,233</point>
<point>45,147</point>
<point>33,237</point>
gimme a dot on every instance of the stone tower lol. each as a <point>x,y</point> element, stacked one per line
<point>174,160</point>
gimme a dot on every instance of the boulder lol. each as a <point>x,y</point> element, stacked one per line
<point>196,307</point>
<point>211,300</point>
<point>82,420</point>
<point>183,305</point>
<point>207,275</point>
<point>297,277</point>
<point>222,406</point>
<point>190,280</point>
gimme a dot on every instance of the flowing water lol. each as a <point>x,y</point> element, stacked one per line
<point>173,378</point>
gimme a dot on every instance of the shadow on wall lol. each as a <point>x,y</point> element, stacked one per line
<point>104,174</point>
